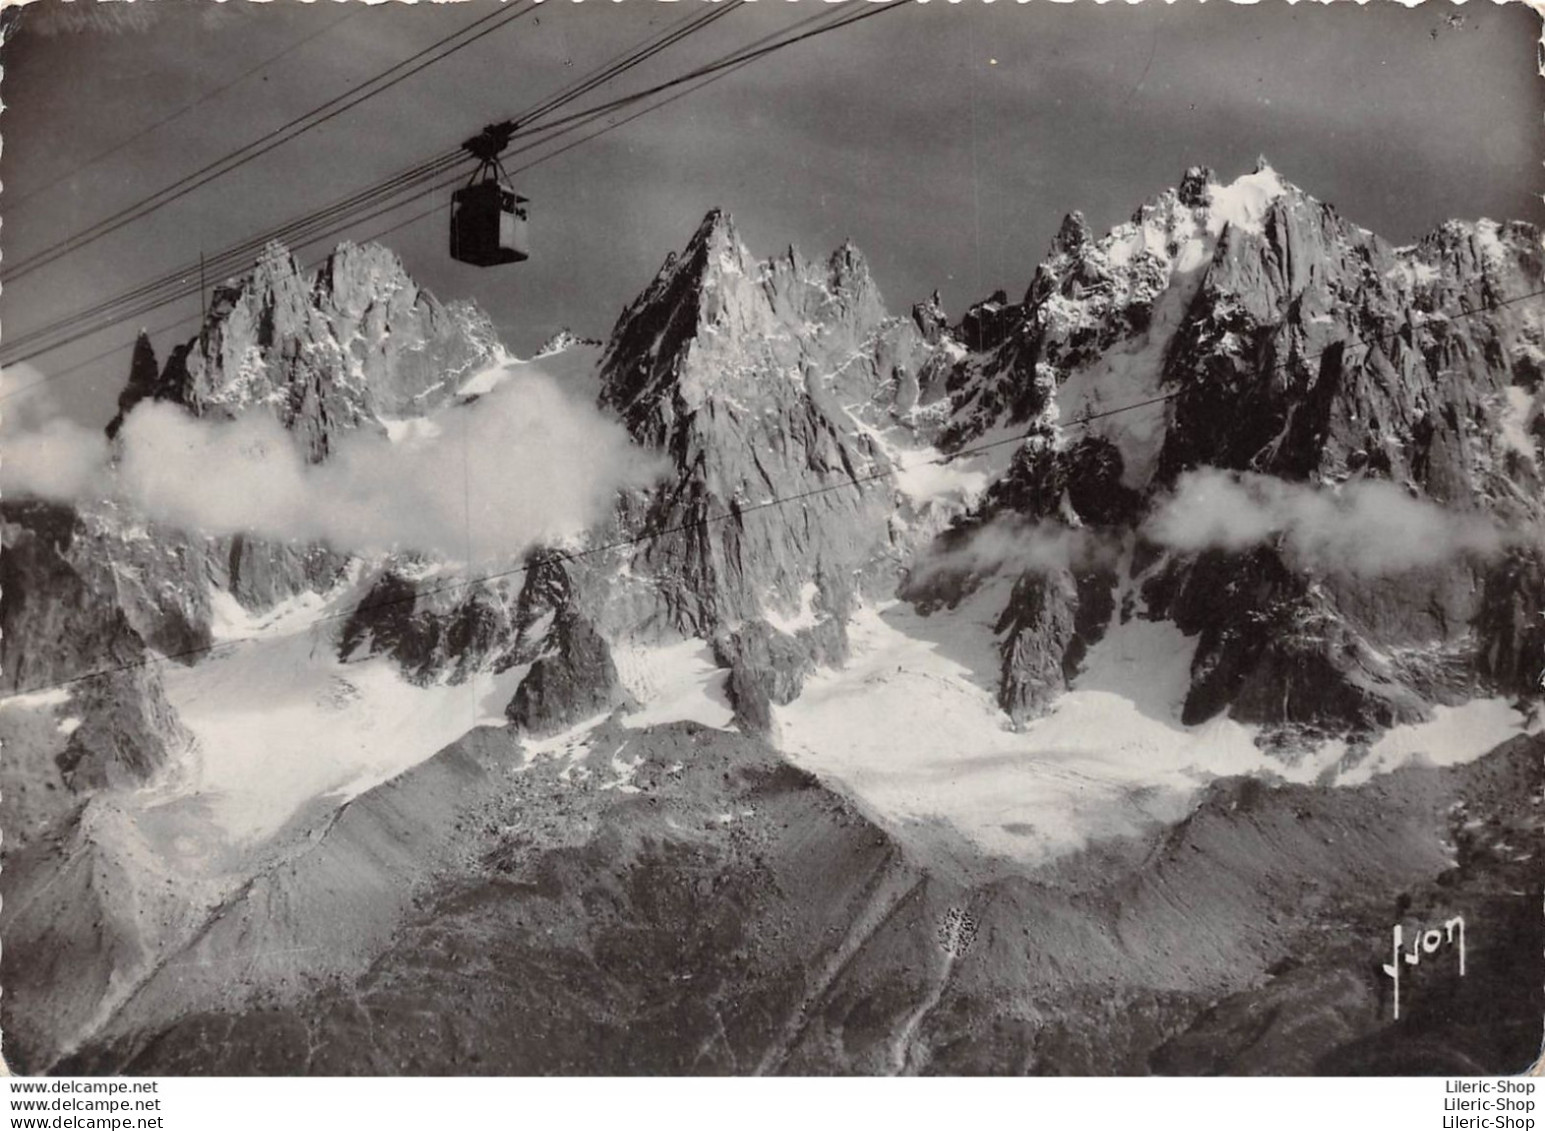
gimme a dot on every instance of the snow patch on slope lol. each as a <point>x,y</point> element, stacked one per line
<point>921,475</point>
<point>1517,413</point>
<point>1244,203</point>
<point>1488,239</point>
<point>1452,737</point>
<point>32,700</point>
<point>574,363</point>
<point>573,744</point>
<point>804,617</point>
<point>1128,374</point>
<point>931,489</point>
<point>1412,271</point>
<point>412,431</point>
<point>230,621</point>
<point>674,682</point>
<point>910,726</point>
<point>280,721</point>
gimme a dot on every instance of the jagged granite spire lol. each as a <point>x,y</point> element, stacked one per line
<point>748,373</point>
<point>144,381</point>
<point>354,344</point>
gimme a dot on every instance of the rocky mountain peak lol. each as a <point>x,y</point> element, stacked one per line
<point>930,317</point>
<point>1072,235</point>
<point>355,344</point>
<point>1273,337</point>
<point>356,277</point>
<point>717,225</point>
<point>744,371</point>
<point>714,320</point>
<point>271,303</point>
<point>716,246</point>
<point>821,514</point>
<point>847,267</point>
<point>1194,186</point>
<point>144,380</point>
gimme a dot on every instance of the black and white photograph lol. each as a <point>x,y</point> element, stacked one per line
<point>728,538</point>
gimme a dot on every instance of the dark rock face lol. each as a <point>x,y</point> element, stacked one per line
<point>766,666</point>
<point>446,627</point>
<point>1273,649</point>
<point>260,573</point>
<point>66,612</point>
<point>128,732</point>
<point>577,680</point>
<point>1038,628</point>
<point>988,324</point>
<point>445,631</point>
<point>83,593</point>
<point>144,382</point>
<point>1510,632</point>
<point>565,339</point>
<point>1422,402</point>
<point>930,318</point>
<point>40,641</point>
<point>1081,485</point>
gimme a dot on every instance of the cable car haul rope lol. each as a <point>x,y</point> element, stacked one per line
<point>432,176</point>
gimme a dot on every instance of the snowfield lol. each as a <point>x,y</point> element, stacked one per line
<point>673,683</point>
<point>910,727</point>
<point>573,365</point>
<point>1453,736</point>
<point>279,722</point>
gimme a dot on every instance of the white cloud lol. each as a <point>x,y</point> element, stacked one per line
<point>29,398</point>
<point>56,460</point>
<point>41,452</point>
<point>1368,527</point>
<point>522,465</point>
<point>1009,542</point>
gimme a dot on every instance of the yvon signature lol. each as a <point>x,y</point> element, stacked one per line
<point>1429,941</point>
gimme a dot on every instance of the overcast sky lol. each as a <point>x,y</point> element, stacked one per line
<point>946,140</point>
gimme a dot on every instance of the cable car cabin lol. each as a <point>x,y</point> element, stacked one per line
<point>488,225</point>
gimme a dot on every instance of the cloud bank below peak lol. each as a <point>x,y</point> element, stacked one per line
<point>1368,527</point>
<point>477,482</point>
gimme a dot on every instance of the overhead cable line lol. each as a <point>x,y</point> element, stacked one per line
<point>414,219</point>
<point>76,170</point>
<point>418,182</point>
<point>330,109</point>
<point>733,515</point>
<point>332,218</point>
